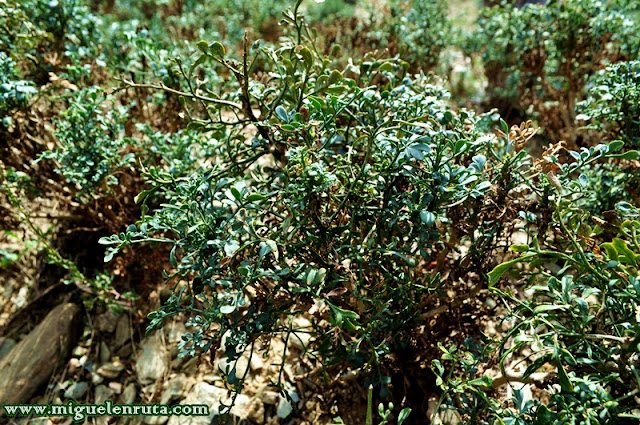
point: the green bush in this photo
(92, 142)
(289, 178)
(613, 102)
(345, 192)
(14, 93)
(579, 321)
(356, 197)
(540, 57)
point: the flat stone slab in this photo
(30, 364)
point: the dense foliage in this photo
(538, 58)
(311, 165)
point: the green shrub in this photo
(92, 143)
(422, 30)
(540, 57)
(614, 102)
(45, 31)
(14, 93)
(578, 322)
(351, 185)
(344, 189)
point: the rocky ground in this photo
(102, 357)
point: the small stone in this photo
(155, 420)
(174, 334)
(125, 351)
(285, 406)
(96, 379)
(203, 393)
(175, 331)
(106, 322)
(111, 370)
(129, 394)
(77, 391)
(175, 389)
(226, 365)
(210, 378)
(79, 351)
(74, 365)
(153, 361)
(256, 362)
(301, 335)
(123, 331)
(105, 353)
(83, 360)
(490, 302)
(103, 393)
(269, 397)
(6, 345)
(116, 387)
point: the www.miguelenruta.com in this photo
(80, 412)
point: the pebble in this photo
(96, 378)
(203, 393)
(226, 365)
(77, 391)
(116, 387)
(175, 389)
(123, 331)
(302, 337)
(125, 351)
(153, 361)
(174, 334)
(6, 345)
(103, 393)
(105, 353)
(111, 370)
(285, 406)
(269, 397)
(79, 351)
(74, 364)
(129, 394)
(106, 322)
(256, 362)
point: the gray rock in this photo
(129, 394)
(155, 420)
(175, 389)
(123, 331)
(79, 351)
(106, 322)
(203, 393)
(285, 406)
(174, 332)
(111, 370)
(103, 393)
(268, 397)
(6, 345)
(105, 353)
(241, 364)
(77, 391)
(96, 378)
(116, 387)
(153, 360)
(33, 360)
